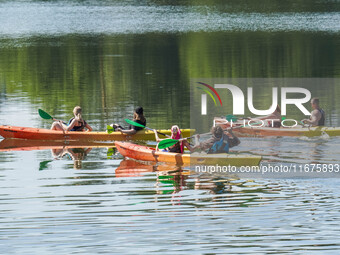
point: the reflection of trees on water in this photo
(109, 73)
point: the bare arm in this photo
(196, 145)
(69, 127)
(88, 127)
(156, 136)
(186, 144)
(314, 120)
(235, 140)
(128, 132)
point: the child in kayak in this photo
(77, 123)
(220, 142)
(138, 117)
(175, 134)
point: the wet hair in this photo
(77, 113)
(315, 100)
(217, 131)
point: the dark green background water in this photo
(109, 57)
(146, 54)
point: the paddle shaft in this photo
(224, 130)
(134, 123)
(157, 132)
(47, 116)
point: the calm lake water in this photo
(109, 57)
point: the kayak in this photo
(30, 145)
(281, 131)
(47, 134)
(144, 153)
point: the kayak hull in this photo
(145, 153)
(47, 134)
(281, 131)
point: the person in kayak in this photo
(220, 142)
(175, 134)
(77, 123)
(317, 117)
(138, 117)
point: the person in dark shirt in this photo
(317, 117)
(138, 117)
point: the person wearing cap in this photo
(137, 117)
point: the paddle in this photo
(45, 115)
(133, 123)
(142, 126)
(230, 117)
(304, 124)
(169, 142)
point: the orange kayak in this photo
(281, 131)
(145, 153)
(47, 134)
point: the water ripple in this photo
(32, 19)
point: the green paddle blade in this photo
(133, 123)
(44, 115)
(109, 129)
(167, 143)
(43, 165)
(230, 117)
